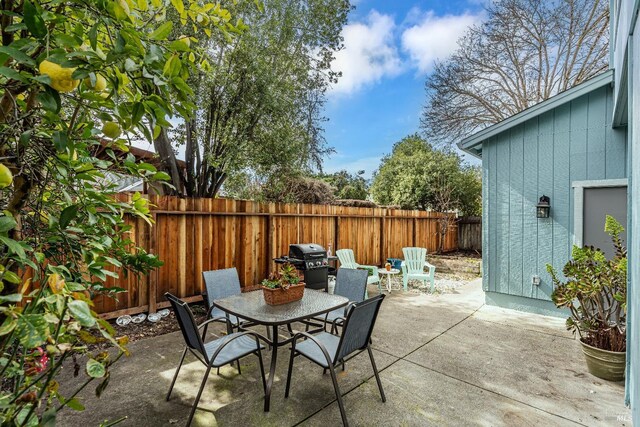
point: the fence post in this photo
(269, 243)
(153, 277)
(383, 223)
(415, 231)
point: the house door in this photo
(599, 199)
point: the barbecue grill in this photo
(311, 260)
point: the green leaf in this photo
(60, 140)
(74, 404)
(11, 298)
(7, 223)
(81, 312)
(178, 5)
(95, 369)
(13, 74)
(11, 277)
(7, 326)
(18, 55)
(32, 330)
(67, 215)
(13, 246)
(49, 418)
(33, 20)
(162, 32)
(50, 100)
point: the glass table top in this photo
(251, 306)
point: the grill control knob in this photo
(310, 264)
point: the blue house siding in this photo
(625, 53)
(633, 296)
(574, 141)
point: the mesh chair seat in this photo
(236, 349)
(311, 351)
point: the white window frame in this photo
(578, 205)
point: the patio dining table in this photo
(252, 307)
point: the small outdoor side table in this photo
(388, 273)
(251, 306)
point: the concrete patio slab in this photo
(445, 359)
(417, 396)
(544, 370)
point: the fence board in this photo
(195, 235)
(470, 233)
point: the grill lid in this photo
(306, 251)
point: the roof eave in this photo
(473, 144)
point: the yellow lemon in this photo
(101, 83)
(60, 77)
(111, 129)
(6, 177)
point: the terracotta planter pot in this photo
(279, 296)
(608, 365)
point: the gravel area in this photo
(445, 283)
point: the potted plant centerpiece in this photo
(283, 286)
(594, 289)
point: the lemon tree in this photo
(79, 78)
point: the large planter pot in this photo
(608, 365)
(280, 296)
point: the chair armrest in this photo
(429, 265)
(214, 319)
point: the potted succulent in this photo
(283, 286)
(594, 289)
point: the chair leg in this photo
(290, 371)
(334, 379)
(405, 282)
(375, 372)
(239, 370)
(184, 353)
(195, 404)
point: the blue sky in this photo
(390, 48)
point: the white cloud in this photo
(370, 53)
(434, 37)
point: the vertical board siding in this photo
(195, 235)
(544, 155)
(516, 218)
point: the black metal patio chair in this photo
(215, 353)
(328, 350)
(221, 284)
(352, 284)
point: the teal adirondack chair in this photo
(348, 260)
(415, 259)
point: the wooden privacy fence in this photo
(195, 235)
(470, 233)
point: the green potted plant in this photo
(594, 290)
(283, 286)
